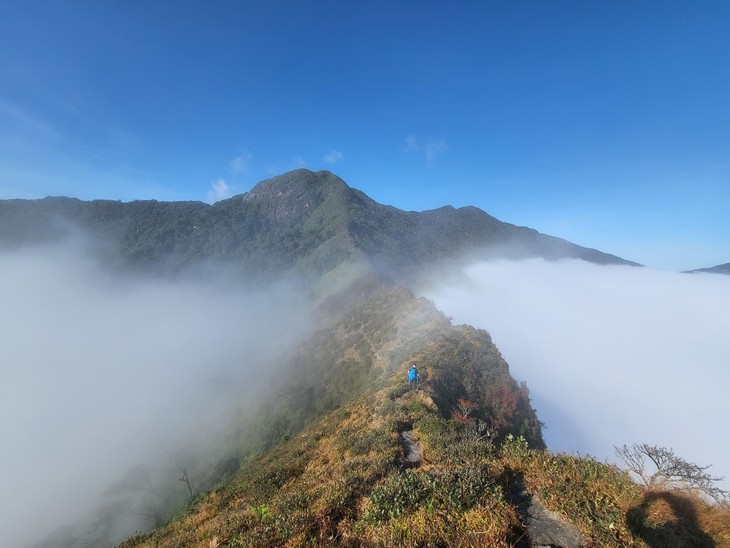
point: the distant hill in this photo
(309, 221)
(719, 269)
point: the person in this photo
(413, 377)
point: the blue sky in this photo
(607, 123)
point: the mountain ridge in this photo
(718, 269)
(321, 460)
(309, 221)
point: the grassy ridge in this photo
(363, 354)
(341, 479)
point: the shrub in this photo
(668, 470)
(450, 490)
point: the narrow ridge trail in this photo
(411, 448)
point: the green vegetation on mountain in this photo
(341, 452)
(324, 462)
(343, 479)
(312, 222)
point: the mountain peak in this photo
(296, 194)
(297, 183)
(719, 269)
(309, 219)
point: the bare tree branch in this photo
(185, 479)
(670, 471)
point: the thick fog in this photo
(612, 355)
(102, 373)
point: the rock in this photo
(544, 528)
(412, 451)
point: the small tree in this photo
(463, 409)
(504, 403)
(477, 429)
(185, 479)
(667, 470)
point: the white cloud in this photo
(410, 144)
(612, 355)
(299, 161)
(219, 191)
(333, 156)
(435, 149)
(430, 150)
(104, 379)
(242, 162)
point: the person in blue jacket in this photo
(413, 377)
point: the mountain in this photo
(352, 457)
(308, 221)
(341, 451)
(331, 434)
(719, 269)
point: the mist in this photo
(612, 354)
(101, 373)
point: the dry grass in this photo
(339, 483)
(675, 518)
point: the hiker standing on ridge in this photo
(413, 377)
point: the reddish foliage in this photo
(459, 416)
(504, 403)
(466, 404)
(464, 408)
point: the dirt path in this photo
(411, 448)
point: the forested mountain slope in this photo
(311, 221)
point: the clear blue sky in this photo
(607, 123)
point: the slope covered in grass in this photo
(343, 478)
(343, 481)
(352, 374)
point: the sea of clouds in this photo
(612, 355)
(102, 372)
